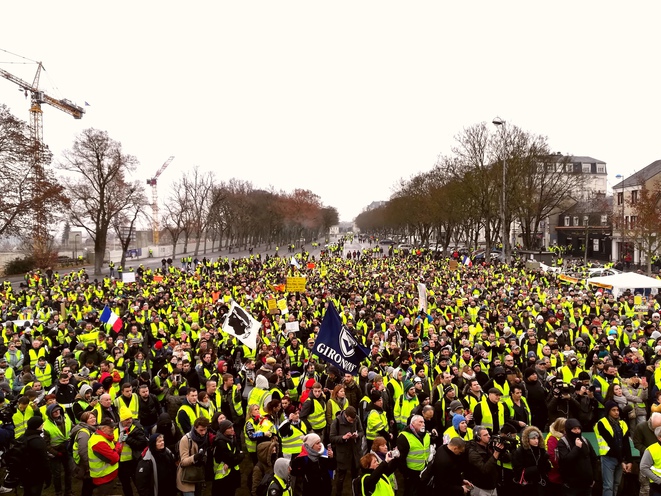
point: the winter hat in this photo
(456, 420)
(95, 387)
(271, 360)
(609, 405)
(224, 425)
(84, 388)
(508, 429)
(311, 439)
(583, 376)
(281, 468)
(528, 372)
(407, 385)
(447, 389)
(375, 396)
(455, 405)
(35, 422)
(158, 345)
(124, 414)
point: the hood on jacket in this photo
(555, 433)
(265, 450)
(394, 373)
(51, 409)
(164, 420)
(281, 468)
(525, 436)
(83, 390)
(262, 382)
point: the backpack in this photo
(263, 487)
(17, 458)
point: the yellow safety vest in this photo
(21, 421)
(510, 406)
(99, 468)
(219, 471)
(58, 438)
(133, 405)
(376, 422)
(418, 451)
(655, 451)
(192, 415)
(76, 449)
(251, 446)
(487, 418)
(292, 444)
(605, 424)
(256, 397)
(383, 486)
(317, 418)
(336, 408)
(451, 432)
(126, 455)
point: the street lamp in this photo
(498, 122)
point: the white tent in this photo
(626, 280)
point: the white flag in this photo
(295, 263)
(422, 297)
(242, 325)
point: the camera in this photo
(394, 453)
(560, 388)
(509, 443)
(7, 411)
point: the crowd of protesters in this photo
(456, 392)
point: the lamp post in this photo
(498, 122)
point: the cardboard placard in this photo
(272, 306)
(296, 284)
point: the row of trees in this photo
(460, 198)
(95, 192)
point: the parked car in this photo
(405, 246)
(388, 242)
(64, 260)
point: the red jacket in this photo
(109, 455)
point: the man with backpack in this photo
(35, 470)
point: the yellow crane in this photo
(37, 97)
(154, 200)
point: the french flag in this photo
(111, 318)
(467, 261)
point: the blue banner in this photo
(337, 345)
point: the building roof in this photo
(585, 160)
(640, 177)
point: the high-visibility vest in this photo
(383, 487)
(251, 446)
(34, 356)
(45, 375)
(192, 415)
(284, 489)
(403, 408)
(568, 375)
(376, 421)
(418, 451)
(524, 402)
(99, 468)
(451, 432)
(604, 386)
(58, 438)
(256, 397)
(292, 444)
(219, 471)
(605, 424)
(126, 455)
(487, 418)
(76, 449)
(398, 389)
(21, 421)
(336, 408)
(236, 404)
(655, 451)
(133, 405)
(317, 417)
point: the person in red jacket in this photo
(104, 455)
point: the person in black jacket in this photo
(37, 474)
(531, 464)
(446, 471)
(577, 460)
(227, 456)
(148, 408)
(482, 469)
(156, 473)
(374, 479)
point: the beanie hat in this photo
(95, 387)
(271, 360)
(456, 420)
(407, 385)
(508, 429)
(158, 344)
(583, 376)
(311, 439)
(610, 404)
(528, 372)
(455, 405)
(447, 389)
(375, 396)
(124, 414)
(35, 422)
(224, 425)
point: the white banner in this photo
(292, 326)
(422, 297)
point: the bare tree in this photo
(98, 190)
(124, 224)
(198, 186)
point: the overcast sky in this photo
(342, 98)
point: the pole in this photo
(505, 233)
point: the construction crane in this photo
(37, 97)
(154, 200)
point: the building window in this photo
(633, 220)
(586, 220)
(620, 198)
(576, 220)
(634, 196)
(626, 222)
(604, 220)
(567, 221)
(601, 168)
(587, 168)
